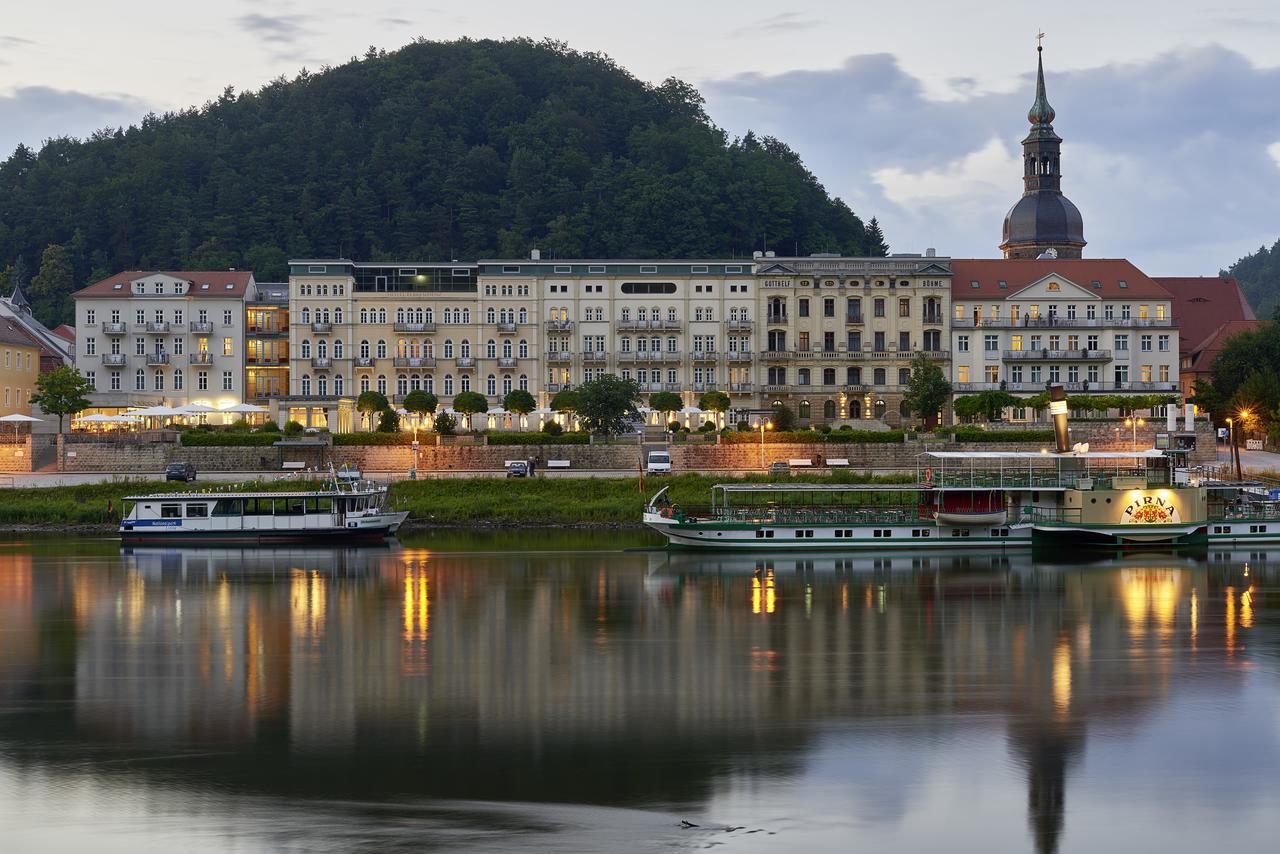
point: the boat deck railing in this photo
(1040, 479)
(1252, 511)
(817, 516)
(1049, 514)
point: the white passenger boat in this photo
(342, 512)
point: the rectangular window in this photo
(226, 381)
(1122, 343)
(1015, 343)
(879, 307)
(828, 307)
(991, 343)
(1144, 343)
(1164, 343)
(228, 347)
(803, 307)
(962, 373)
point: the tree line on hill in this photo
(439, 150)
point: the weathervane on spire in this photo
(1040, 40)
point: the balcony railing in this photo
(741, 357)
(777, 355)
(1078, 385)
(704, 355)
(256, 361)
(740, 387)
(201, 358)
(595, 356)
(934, 318)
(556, 387)
(322, 327)
(202, 327)
(739, 324)
(1060, 322)
(252, 330)
(774, 388)
(777, 319)
(628, 325)
(117, 359)
(559, 356)
(413, 362)
(507, 327)
(157, 358)
(159, 327)
(363, 361)
(115, 328)
(855, 388)
(506, 362)
(321, 362)
(1058, 355)
(559, 325)
(464, 362)
(706, 386)
(854, 318)
(415, 327)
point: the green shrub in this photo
(552, 428)
(372, 438)
(744, 426)
(293, 428)
(824, 429)
(446, 424)
(707, 427)
(200, 439)
(673, 426)
(239, 426)
(269, 427)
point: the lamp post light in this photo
(413, 473)
(1244, 416)
(1135, 423)
(764, 425)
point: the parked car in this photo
(519, 468)
(180, 471)
(780, 467)
(659, 462)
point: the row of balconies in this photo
(1060, 322)
(850, 356)
(1058, 355)
(158, 358)
(157, 327)
(645, 325)
(856, 319)
(1083, 385)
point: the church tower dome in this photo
(1043, 219)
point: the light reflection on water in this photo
(525, 691)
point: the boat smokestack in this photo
(1058, 409)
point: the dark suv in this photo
(180, 471)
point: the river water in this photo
(581, 692)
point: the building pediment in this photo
(775, 270)
(1051, 287)
(934, 270)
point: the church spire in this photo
(1043, 219)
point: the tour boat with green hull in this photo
(984, 500)
(344, 511)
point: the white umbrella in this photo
(196, 409)
(96, 418)
(18, 418)
(246, 408)
(156, 412)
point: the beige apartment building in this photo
(19, 367)
(147, 338)
(1089, 325)
(839, 334)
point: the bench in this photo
(558, 464)
(798, 464)
(293, 466)
(838, 463)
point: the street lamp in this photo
(1135, 423)
(764, 425)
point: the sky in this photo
(910, 111)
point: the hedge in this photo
(538, 439)
(200, 439)
(381, 439)
(811, 437)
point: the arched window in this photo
(337, 315)
(177, 382)
(904, 409)
(524, 315)
(322, 349)
(506, 348)
(382, 349)
(466, 315)
(803, 409)
(159, 380)
(491, 349)
(491, 316)
(306, 385)
(306, 315)
(402, 349)
(364, 351)
(400, 315)
(382, 315)
(465, 382)
(491, 385)
(429, 383)
(448, 384)
(402, 385)
(322, 386)
(305, 349)
(829, 409)
(364, 316)
(417, 315)
(337, 349)
(430, 315)
(880, 408)
(506, 384)
(523, 349)
(324, 316)
(855, 408)
(364, 383)
(415, 382)
(448, 348)
(524, 382)
(140, 380)
(338, 385)
(382, 384)
(464, 349)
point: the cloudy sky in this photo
(910, 111)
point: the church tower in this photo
(1043, 219)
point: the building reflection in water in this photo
(645, 678)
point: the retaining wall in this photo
(15, 457)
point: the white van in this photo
(659, 462)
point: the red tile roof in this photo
(1018, 273)
(65, 332)
(1201, 304)
(217, 280)
(1203, 353)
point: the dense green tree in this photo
(49, 288)
(470, 403)
(62, 391)
(714, 401)
(875, 239)
(566, 400)
(1259, 277)
(369, 403)
(520, 402)
(389, 421)
(607, 404)
(460, 149)
(928, 389)
(783, 418)
(420, 402)
(665, 401)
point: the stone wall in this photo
(15, 457)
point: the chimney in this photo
(757, 255)
(770, 254)
(931, 252)
(535, 255)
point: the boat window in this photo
(324, 505)
(197, 511)
(257, 507)
(170, 511)
(297, 506)
(227, 507)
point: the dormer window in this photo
(117, 286)
(204, 286)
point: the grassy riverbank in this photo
(447, 502)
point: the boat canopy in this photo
(1147, 454)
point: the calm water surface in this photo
(526, 692)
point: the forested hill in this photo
(438, 150)
(1259, 277)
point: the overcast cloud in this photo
(912, 114)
